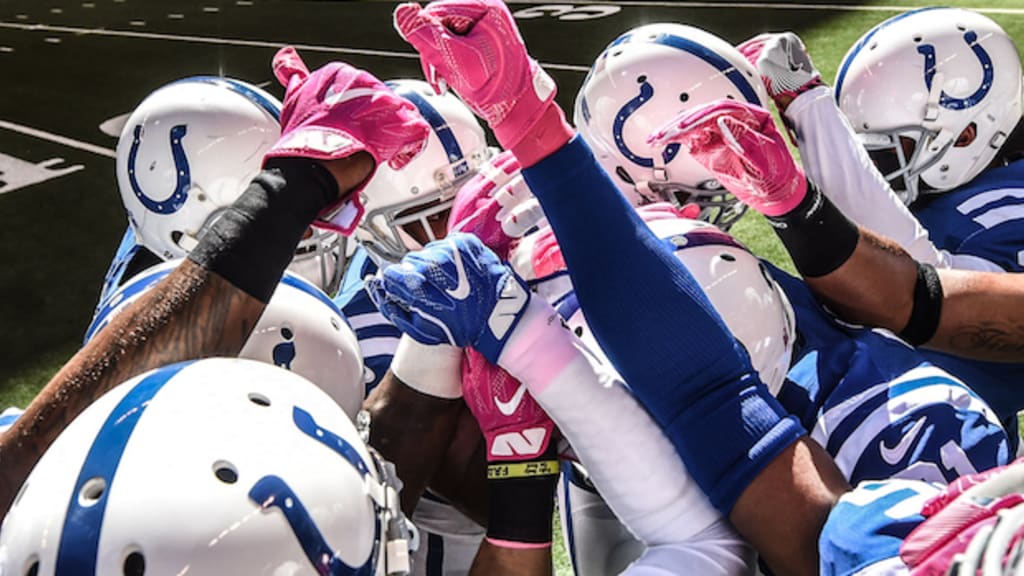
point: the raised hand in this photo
(784, 65)
(740, 145)
(474, 47)
(454, 291)
(336, 111)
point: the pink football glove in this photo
(474, 47)
(967, 506)
(740, 145)
(496, 206)
(514, 425)
(336, 111)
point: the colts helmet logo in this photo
(646, 93)
(177, 199)
(988, 73)
(272, 491)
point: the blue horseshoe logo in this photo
(947, 101)
(177, 198)
(272, 491)
(646, 93)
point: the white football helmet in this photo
(218, 466)
(300, 330)
(641, 81)
(188, 151)
(422, 190)
(737, 283)
(919, 83)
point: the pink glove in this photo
(474, 47)
(514, 425)
(740, 145)
(496, 206)
(955, 516)
(337, 111)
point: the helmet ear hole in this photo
(225, 472)
(134, 564)
(33, 567)
(621, 173)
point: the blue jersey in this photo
(865, 529)
(378, 338)
(984, 218)
(878, 406)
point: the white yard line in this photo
(763, 5)
(238, 42)
(58, 139)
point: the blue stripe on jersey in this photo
(877, 406)
(78, 549)
(984, 218)
(868, 525)
(378, 338)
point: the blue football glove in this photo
(453, 291)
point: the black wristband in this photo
(250, 243)
(924, 317)
(817, 235)
(522, 499)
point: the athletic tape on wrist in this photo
(251, 242)
(817, 235)
(924, 318)
(432, 370)
(509, 470)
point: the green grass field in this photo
(38, 343)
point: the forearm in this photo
(841, 168)
(462, 477)
(982, 316)
(206, 307)
(783, 512)
(583, 396)
(414, 412)
(194, 314)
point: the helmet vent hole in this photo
(578, 331)
(867, 126)
(621, 173)
(225, 472)
(33, 567)
(616, 53)
(134, 564)
(873, 46)
(944, 168)
(201, 197)
(727, 257)
(684, 97)
(641, 79)
(961, 27)
(176, 236)
(92, 490)
(335, 324)
(259, 399)
(730, 96)
(918, 38)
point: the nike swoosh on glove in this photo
(454, 291)
(740, 145)
(969, 508)
(474, 47)
(514, 425)
(336, 111)
(496, 206)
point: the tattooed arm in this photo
(982, 312)
(195, 312)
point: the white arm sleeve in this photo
(840, 166)
(629, 459)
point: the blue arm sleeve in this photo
(659, 330)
